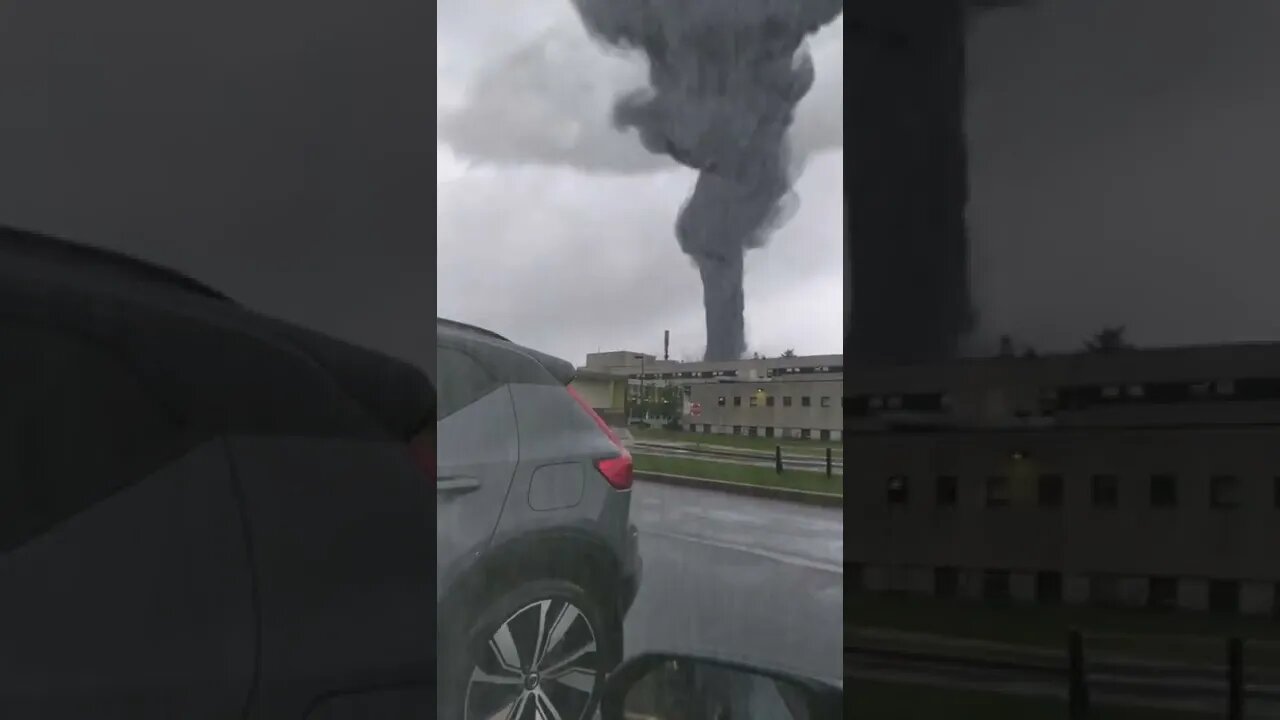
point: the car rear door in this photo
(125, 583)
(477, 450)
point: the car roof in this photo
(465, 328)
(397, 394)
(17, 243)
(560, 371)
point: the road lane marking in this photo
(815, 564)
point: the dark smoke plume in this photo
(907, 185)
(725, 78)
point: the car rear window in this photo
(461, 380)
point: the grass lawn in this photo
(1181, 636)
(903, 701)
(745, 474)
(765, 444)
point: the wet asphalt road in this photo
(741, 577)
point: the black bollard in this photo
(1077, 685)
(828, 462)
(777, 459)
(1235, 679)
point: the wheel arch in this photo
(574, 555)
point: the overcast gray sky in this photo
(1125, 169)
(277, 151)
(557, 230)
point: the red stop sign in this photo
(695, 409)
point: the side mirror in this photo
(682, 687)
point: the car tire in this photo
(547, 641)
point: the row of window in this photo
(780, 372)
(771, 372)
(1084, 396)
(1161, 593)
(769, 401)
(1163, 491)
(755, 431)
(687, 374)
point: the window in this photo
(768, 432)
(752, 431)
(998, 491)
(706, 428)
(768, 401)
(753, 401)
(462, 380)
(824, 434)
(737, 401)
(1224, 596)
(83, 424)
(804, 401)
(1104, 590)
(1048, 587)
(805, 434)
(786, 401)
(1164, 491)
(824, 401)
(1050, 491)
(946, 489)
(1106, 491)
(897, 487)
(720, 401)
(1162, 593)
(737, 429)
(946, 582)
(1224, 491)
(853, 576)
(995, 585)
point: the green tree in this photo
(1108, 340)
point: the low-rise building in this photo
(794, 396)
(1141, 478)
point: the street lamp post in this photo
(642, 397)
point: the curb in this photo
(798, 459)
(761, 491)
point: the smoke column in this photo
(725, 77)
(907, 186)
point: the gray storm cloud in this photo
(1131, 143)
(725, 77)
(550, 102)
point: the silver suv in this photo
(536, 556)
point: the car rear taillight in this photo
(422, 449)
(617, 470)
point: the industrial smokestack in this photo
(725, 78)
(666, 344)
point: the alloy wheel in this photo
(541, 663)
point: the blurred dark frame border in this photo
(276, 150)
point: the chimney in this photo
(666, 344)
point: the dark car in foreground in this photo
(536, 559)
(204, 512)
